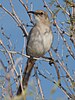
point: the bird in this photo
(39, 42)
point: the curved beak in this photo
(33, 12)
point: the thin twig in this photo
(56, 68)
(45, 5)
(68, 47)
(63, 8)
(63, 66)
(16, 19)
(56, 83)
(9, 54)
(26, 8)
(47, 59)
(39, 84)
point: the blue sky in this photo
(16, 36)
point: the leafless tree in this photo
(57, 68)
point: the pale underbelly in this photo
(39, 46)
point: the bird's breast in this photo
(39, 43)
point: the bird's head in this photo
(40, 16)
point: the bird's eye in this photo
(41, 13)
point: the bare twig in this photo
(67, 46)
(45, 5)
(39, 84)
(56, 68)
(16, 19)
(47, 59)
(26, 8)
(63, 66)
(56, 83)
(9, 54)
(72, 19)
(63, 8)
(7, 37)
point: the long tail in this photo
(26, 75)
